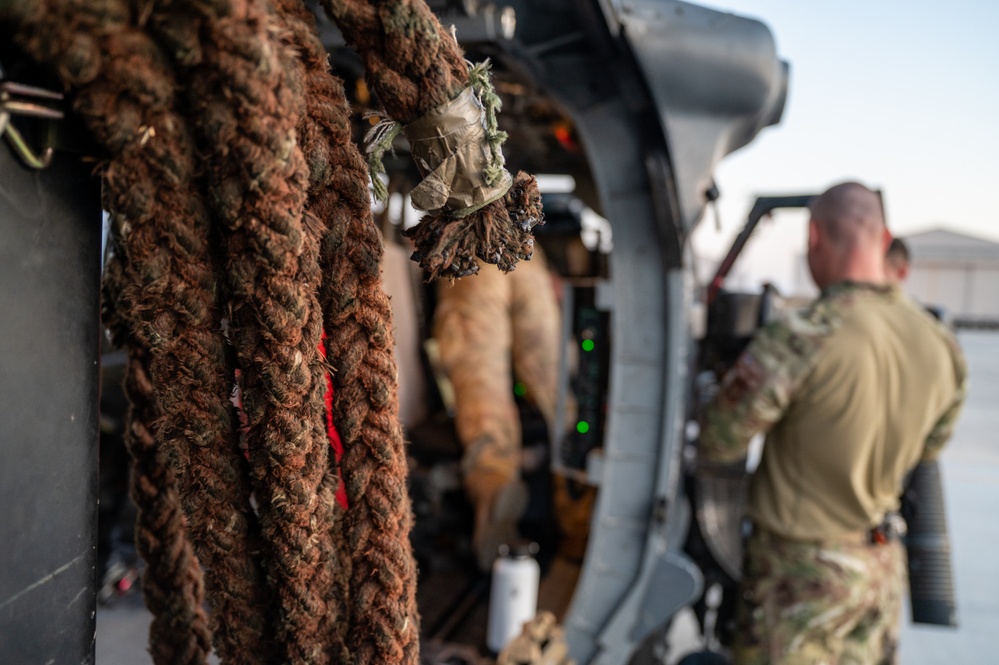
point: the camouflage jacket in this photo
(851, 394)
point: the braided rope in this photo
(172, 586)
(384, 625)
(324, 133)
(414, 65)
(290, 229)
(246, 111)
(173, 299)
(126, 97)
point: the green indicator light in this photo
(588, 345)
(519, 389)
(582, 427)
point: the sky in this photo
(901, 96)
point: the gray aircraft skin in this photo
(657, 93)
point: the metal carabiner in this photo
(10, 106)
(23, 151)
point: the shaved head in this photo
(849, 212)
(847, 237)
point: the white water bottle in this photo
(513, 596)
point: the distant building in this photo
(957, 272)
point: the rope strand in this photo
(246, 113)
(246, 198)
(172, 585)
(168, 295)
(384, 624)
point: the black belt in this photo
(890, 529)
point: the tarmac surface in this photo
(971, 489)
(971, 483)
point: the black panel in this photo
(50, 244)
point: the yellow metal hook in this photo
(9, 105)
(26, 154)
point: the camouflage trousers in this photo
(810, 604)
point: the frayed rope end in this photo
(499, 233)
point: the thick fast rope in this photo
(172, 586)
(323, 127)
(277, 227)
(414, 66)
(383, 620)
(125, 95)
(246, 113)
(174, 301)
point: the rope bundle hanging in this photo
(162, 288)
(242, 233)
(418, 71)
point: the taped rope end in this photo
(499, 233)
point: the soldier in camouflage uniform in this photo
(492, 329)
(852, 394)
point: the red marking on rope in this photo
(334, 436)
(335, 442)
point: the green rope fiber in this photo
(378, 141)
(478, 78)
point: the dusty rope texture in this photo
(384, 624)
(173, 300)
(414, 65)
(246, 96)
(178, 290)
(124, 93)
(324, 135)
(172, 587)
(246, 112)
(160, 531)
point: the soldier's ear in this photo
(814, 235)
